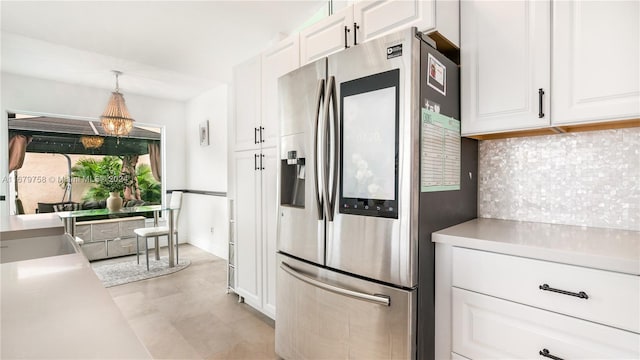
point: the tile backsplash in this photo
(588, 178)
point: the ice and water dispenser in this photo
(292, 180)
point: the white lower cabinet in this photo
(247, 227)
(254, 227)
(500, 306)
(609, 297)
(485, 327)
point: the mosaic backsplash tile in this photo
(589, 178)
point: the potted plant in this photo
(114, 184)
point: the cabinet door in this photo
(596, 61)
(247, 227)
(246, 90)
(377, 18)
(279, 60)
(485, 327)
(270, 196)
(504, 61)
(327, 36)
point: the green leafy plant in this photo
(89, 170)
(115, 183)
(106, 177)
(150, 189)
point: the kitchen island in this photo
(55, 306)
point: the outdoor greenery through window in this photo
(53, 167)
(106, 176)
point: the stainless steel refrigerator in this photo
(371, 163)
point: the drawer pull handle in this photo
(581, 294)
(547, 354)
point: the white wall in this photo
(207, 170)
(21, 93)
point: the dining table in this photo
(70, 218)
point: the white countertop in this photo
(55, 307)
(21, 226)
(607, 249)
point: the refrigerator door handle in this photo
(319, 99)
(330, 196)
(376, 298)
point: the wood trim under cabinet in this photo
(620, 124)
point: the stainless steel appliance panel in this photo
(301, 229)
(334, 316)
(382, 248)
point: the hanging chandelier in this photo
(92, 142)
(116, 119)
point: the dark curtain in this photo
(154, 159)
(17, 148)
(129, 166)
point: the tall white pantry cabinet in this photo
(253, 172)
(540, 64)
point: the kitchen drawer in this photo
(122, 247)
(105, 231)
(94, 250)
(127, 226)
(83, 232)
(613, 298)
(484, 327)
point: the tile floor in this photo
(189, 315)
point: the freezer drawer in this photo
(326, 315)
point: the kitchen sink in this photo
(36, 247)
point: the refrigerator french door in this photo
(349, 219)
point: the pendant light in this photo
(116, 119)
(92, 142)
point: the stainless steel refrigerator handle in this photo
(329, 98)
(332, 198)
(377, 299)
(319, 98)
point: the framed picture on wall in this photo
(204, 133)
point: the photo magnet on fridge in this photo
(437, 75)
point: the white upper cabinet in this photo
(246, 92)
(505, 68)
(381, 17)
(596, 61)
(327, 36)
(366, 20)
(277, 61)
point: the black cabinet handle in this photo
(261, 139)
(540, 110)
(261, 157)
(255, 135)
(355, 33)
(547, 354)
(346, 41)
(581, 294)
(255, 162)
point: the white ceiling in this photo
(167, 49)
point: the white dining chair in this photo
(155, 232)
